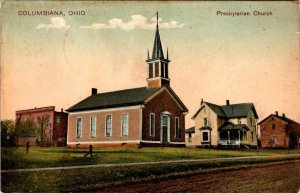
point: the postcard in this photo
(90, 87)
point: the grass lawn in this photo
(92, 179)
(13, 158)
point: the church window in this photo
(152, 124)
(177, 130)
(79, 127)
(93, 126)
(108, 131)
(124, 124)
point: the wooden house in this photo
(223, 125)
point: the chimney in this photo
(276, 113)
(94, 91)
(227, 102)
(283, 115)
(62, 110)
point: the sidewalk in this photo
(144, 163)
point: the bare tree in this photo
(41, 127)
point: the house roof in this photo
(190, 130)
(239, 110)
(127, 97)
(49, 108)
(231, 126)
(280, 117)
(217, 109)
(230, 111)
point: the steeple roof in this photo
(157, 48)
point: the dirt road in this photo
(278, 178)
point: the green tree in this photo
(26, 128)
(7, 133)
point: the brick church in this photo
(145, 116)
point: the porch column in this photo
(228, 136)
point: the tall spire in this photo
(157, 48)
(157, 19)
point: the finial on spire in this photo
(167, 53)
(157, 19)
(157, 48)
(148, 55)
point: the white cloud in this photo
(137, 21)
(1, 1)
(55, 23)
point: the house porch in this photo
(232, 135)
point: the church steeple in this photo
(158, 65)
(157, 48)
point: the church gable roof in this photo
(123, 98)
(118, 98)
(173, 95)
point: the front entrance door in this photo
(165, 125)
